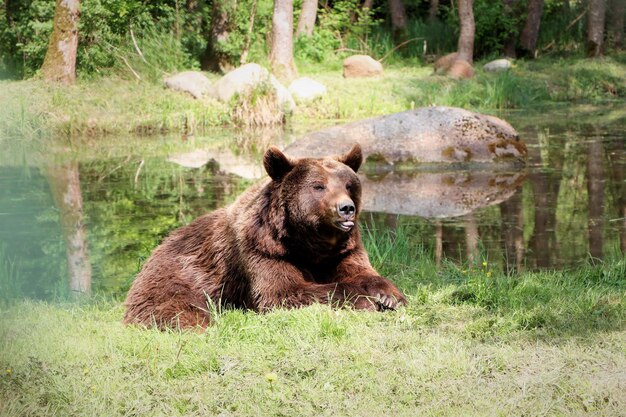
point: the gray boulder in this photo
(305, 89)
(424, 135)
(498, 65)
(247, 77)
(361, 66)
(192, 82)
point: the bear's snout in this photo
(346, 209)
(347, 213)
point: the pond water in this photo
(94, 214)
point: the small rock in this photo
(361, 66)
(192, 82)
(305, 89)
(248, 76)
(237, 81)
(498, 65)
(285, 98)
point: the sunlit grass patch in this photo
(113, 105)
(589, 297)
(432, 357)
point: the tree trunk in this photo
(281, 55)
(214, 59)
(595, 27)
(307, 18)
(468, 29)
(595, 196)
(59, 64)
(65, 187)
(8, 13)
(510, 43)
(368, 4)
(616, 24)
(398, 20)
(433, 8)
(530, 31)
(246, 47)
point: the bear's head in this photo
(321, 195)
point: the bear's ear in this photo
(353, 158)
(276, 163)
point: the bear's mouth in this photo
(345, 225)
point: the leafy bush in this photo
(340, 25)
(104, 28)
(25, 28)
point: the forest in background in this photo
(166, 36)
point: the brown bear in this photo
(287, 242)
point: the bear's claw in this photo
(387, 302)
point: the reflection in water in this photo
(64, 184)
(471, 237)
(437, 194)
(512, 234)
(570, 203)
(228, 162)
(617, 166)
(595, 196)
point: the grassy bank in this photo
(114, 106)
(471, 341)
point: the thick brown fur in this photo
(288, 242)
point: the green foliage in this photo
(338, 26)
(104, 30)
(563, 31)
(25, 29)
(239, 35)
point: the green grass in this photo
(471, 341)
(117, 106)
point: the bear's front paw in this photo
(363, 302)
(384, 293)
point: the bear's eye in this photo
(319, 187)
(349, 186)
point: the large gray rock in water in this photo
(425, 135)
(192, 82)
(247, 77)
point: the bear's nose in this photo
(346, 209)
